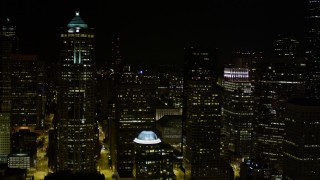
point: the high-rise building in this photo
(248, 59)
(24, 148)
(202, 118)
(77, 131)
(279, 79)
(312, 49)
(238, 110)
(5, 136)
(302, 140)
(8, 46)
(286, 47)
(24, 83)
(134, 112)
(152, 159)
(170, 89)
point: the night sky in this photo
(155, 32)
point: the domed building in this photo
(147, 137)
(152, 158)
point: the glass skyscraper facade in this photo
(8, 46)
(313, 49)
(24, 86)
(201, 117)
(134, 113)
(302, 140)
(238, 110)
(279, 79)
(77, 131)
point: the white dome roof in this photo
(147, 137)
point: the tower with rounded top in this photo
(152, 158)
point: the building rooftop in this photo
(170, 121)
(77, 22)
(147, 137)
(8, 25)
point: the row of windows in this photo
(78, 35)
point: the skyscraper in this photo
(24, 86)
(134, 113)
(152, 159)
(8, 46)
(5, 137)
(279, 79)
(248, 59)
(302, 140)
(313, 49)
(77, 132)
(238, 110)
(201, 118)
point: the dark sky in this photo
(155, 32)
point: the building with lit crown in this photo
(238, 110)
(77, 131)
(152, 159)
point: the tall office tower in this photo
(134, 112)
(77, 131)
(170, 89)
(8, 46)
(24, 91)
(302, 140)
(5, 132)
(42, 94)
(201, 118)
(286, 47)
(238, 110)
(313, 50)
(279, 80)
(105, 95)
(176, 91)
(152, 159)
